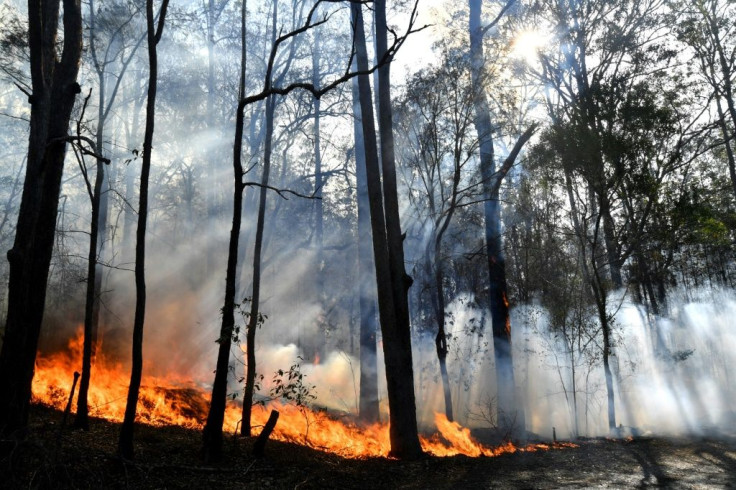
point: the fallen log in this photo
(259, 446)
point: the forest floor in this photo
(168, 457)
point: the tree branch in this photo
(280, 192)
(77, 139)
(495, 21)
(511, 158)
(312, 88)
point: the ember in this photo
(172, 401)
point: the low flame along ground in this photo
(176, 401)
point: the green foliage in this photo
(290, 386)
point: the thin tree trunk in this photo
(318, 203)
(441, 338)
(98, 227)
(727, 141)
(368, 403)
(54, 92)
(81, 419)
(253, 320)
(125, 443)
(212, 432)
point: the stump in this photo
(259, 446)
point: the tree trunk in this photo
(212, 432)
(125, 443)
(434, 267)
(368, 404)
(253, 320)
(397, 334)
(606, 328)
(253, 323)
(727, 141)
(396, 340)
(81, 419)
(54, 92)
(98, 226)
(510, 415)
(318, 203)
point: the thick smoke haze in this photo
(672, 369)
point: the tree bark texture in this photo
(392, 281)
(368, 398)
(54, 88)
(212, 433)
(125, 442)
(508, 412)
(253, 323)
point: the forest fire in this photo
(178, 401)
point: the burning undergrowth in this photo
(172, 400)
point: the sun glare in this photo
(527, 44)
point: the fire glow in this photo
(178, 401)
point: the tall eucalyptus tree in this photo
(53, 92)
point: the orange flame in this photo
(172, 401)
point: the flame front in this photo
(178, 401)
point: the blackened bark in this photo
(259, 447)
(396, 333)
(253, 323)
(318, 203)
(253, 320)
(509, 412)
(125, 443)
(368, 398)
(54, 92)
(212, 433)
(98, 228)
(81, 419)
(606, 328)
(435, 266)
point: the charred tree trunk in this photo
(212, 433)
(510, 414)
(81, 419)
(98, 227)
(253, 320)
(55, 89)
(368, 404)
(389, 256)
(609, 236)
(318, 205)
(606, 329)
(125, 443)
(441, 338)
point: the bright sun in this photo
(527, 44)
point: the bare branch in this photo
(22, 89)
(78, 139)
(511, 158)
(161, 18)
(310, 87)
(498, 18)
(280, 192)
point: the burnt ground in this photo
(168, 458)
